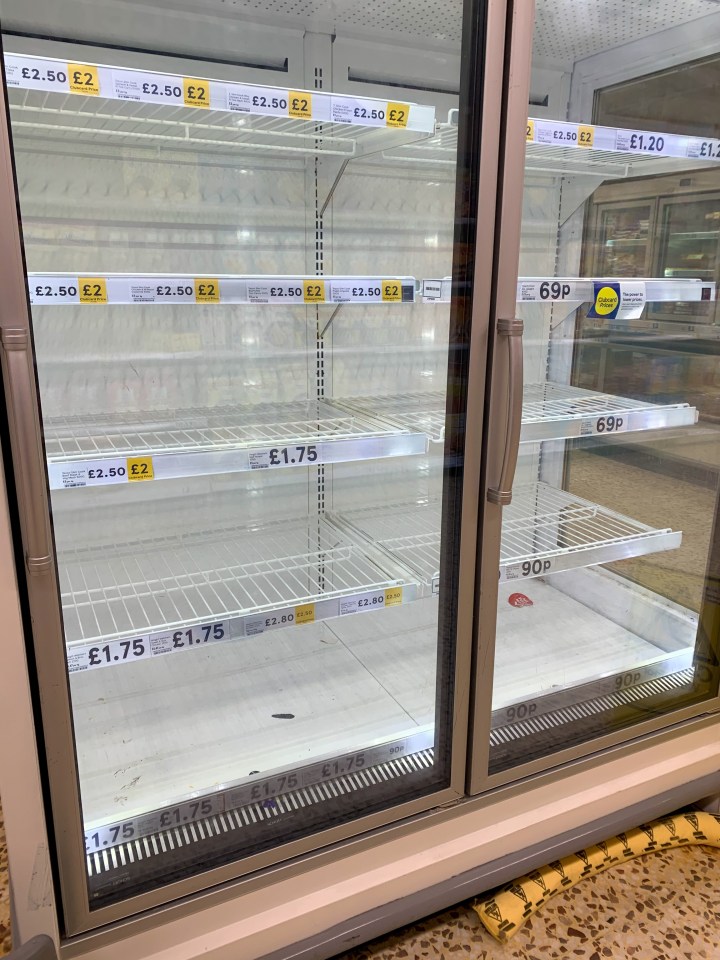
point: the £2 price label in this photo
(196, 93)
(140, 468)
(397, 114)
(314, 291)
(92, 290)
(84, 79)
(207, 290)
(391, 291)
(300, 104)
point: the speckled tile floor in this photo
(5, 941)
(661, 907)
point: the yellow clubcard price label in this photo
(207, 290)
(196, 93)
(314, 291)
(586, 136)
(140, 468)
(299, 104)
(391, 291)
(393, 596)
(397, 114)
(305, 613)
(530, 135)
(92, 290)
(84, 79)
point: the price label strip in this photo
(574, 290)
(96, 471)
(62, 289)
(143, 86)
(620, 140)
(99, 654)
(101, 837)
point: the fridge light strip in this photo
(99, 82)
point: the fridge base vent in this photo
(165, 842)
(581, 711)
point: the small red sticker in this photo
(519, 600)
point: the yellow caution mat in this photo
(504, 911)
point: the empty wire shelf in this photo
(544, 530)
(553, 411)
(82, 451)
(144, 586)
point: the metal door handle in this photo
(28, 452)
(511, 332)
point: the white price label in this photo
(299, 455)
(703, 149)
(89, 473)
(180, 290)
(639, 141)
(268, 101)
(356, 291)
(544, 291)
(51, 290)
(147, 87)
(91, 656)
(525, 569)
(275, 291)
(270, 621)
(362, 603)
(611, 423)
(350, 110)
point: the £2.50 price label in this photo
(84, 78)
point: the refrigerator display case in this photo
(321, 534)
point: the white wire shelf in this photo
(561, 148)
(100, 450)
(109, 104)
(404, 411)
(554, 411)
(147, 598)
(544, 531)
(551, 411)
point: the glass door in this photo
(607, 574)
(255, 466)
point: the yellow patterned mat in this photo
(504, 911)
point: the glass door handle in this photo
(510, 332)
(26, 444)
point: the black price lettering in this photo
(139, 469)
(397, 116)
(647, 141)
(91, 290)
(197, 93)
(533, 568)
(554, 290)
(609, 424)
(520, 712)
(299, 104)
(81, 78)
(625, 680)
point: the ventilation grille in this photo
(165, 842)
(581, 711)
